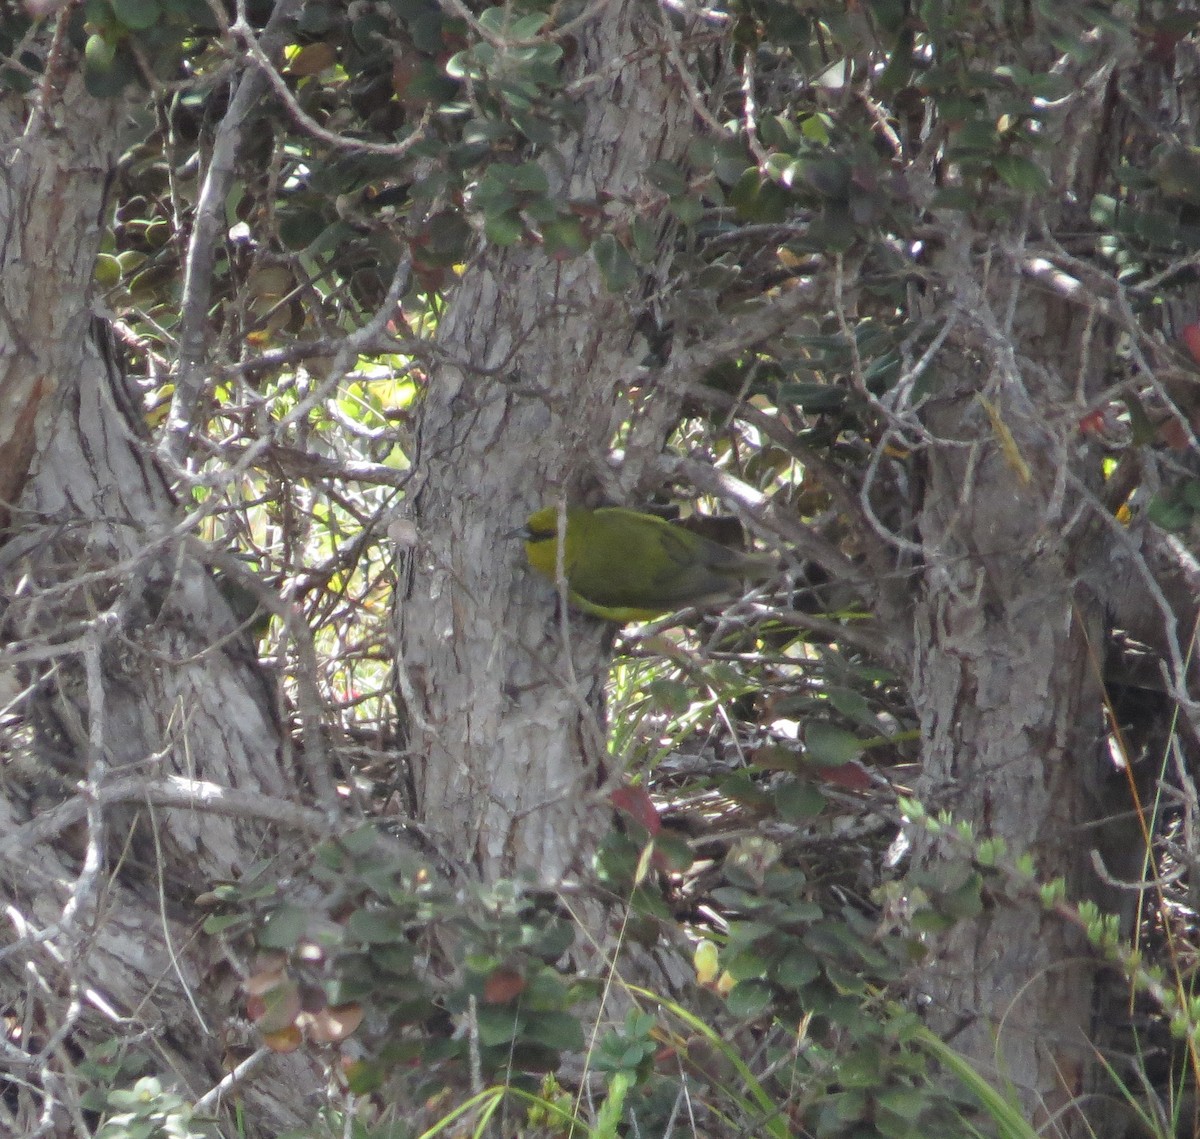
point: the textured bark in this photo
(1010, 705)
(129, 662)
(1007, 678)
(1024, 567)
(506, 743)
(53, 176)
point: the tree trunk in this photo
(1007, 683)
(1026, 569)
(502, 697)
(127, 664)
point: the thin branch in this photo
(173, 792)
(308, 464)
(84, 889)
(306, 122)
(205, 240)
(208, 1101)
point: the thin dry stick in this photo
(203, 245)
(173, 792)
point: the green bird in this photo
(624, 565)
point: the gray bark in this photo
(1025, 571)
(124, 661)
(1007, 669)
(502, 697)
(1010, 703)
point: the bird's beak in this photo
(521, 532)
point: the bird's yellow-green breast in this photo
(624, 565)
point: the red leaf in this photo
(1190, 335)
(853, 776)
(503, 986)
(637, 804)
(1174, 434)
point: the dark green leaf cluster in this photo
(451, 977)
(127, 41)
(148, 1111)
(1177, 508)
(801, 981)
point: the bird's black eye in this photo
(534, 534)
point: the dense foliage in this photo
(304, 187)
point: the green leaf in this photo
(445, 239)
(813, 397)
(926, 921)
(906, 1104)
(363, 1077)
(99, 52)
(137, 15)
(854, 706)
(219, 923)
(528, 178)
(552, 940)
(554, 1029)
(498, 1025)
(1189, 493)
(315, 19)
(463, 65)
(396, 958)
(759, 200)
(953, 198)
(299, 228)
(965, 902)
(359, 842)
(745, 964)
(673, 852)
(426, 33)
(667, 177)
(1141, 426)
(797, 969)
(376, 927)
(835, 228)
(645, 238)
(848, 1106)
(107, 271)
(526, 27)
(564, 237)
(689, 209)
(1168, 514)
(504, 229)
(749, 998)
(283, 927)
(615, 264)
(827, 744)
(974, 141)
(741, 788)
(493, 195)
(1021, 173)
(797, 801)
(815, 128)
(495, 19)
(368, 30)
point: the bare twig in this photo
(202, 247)
(174, 792)
(306, 122)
